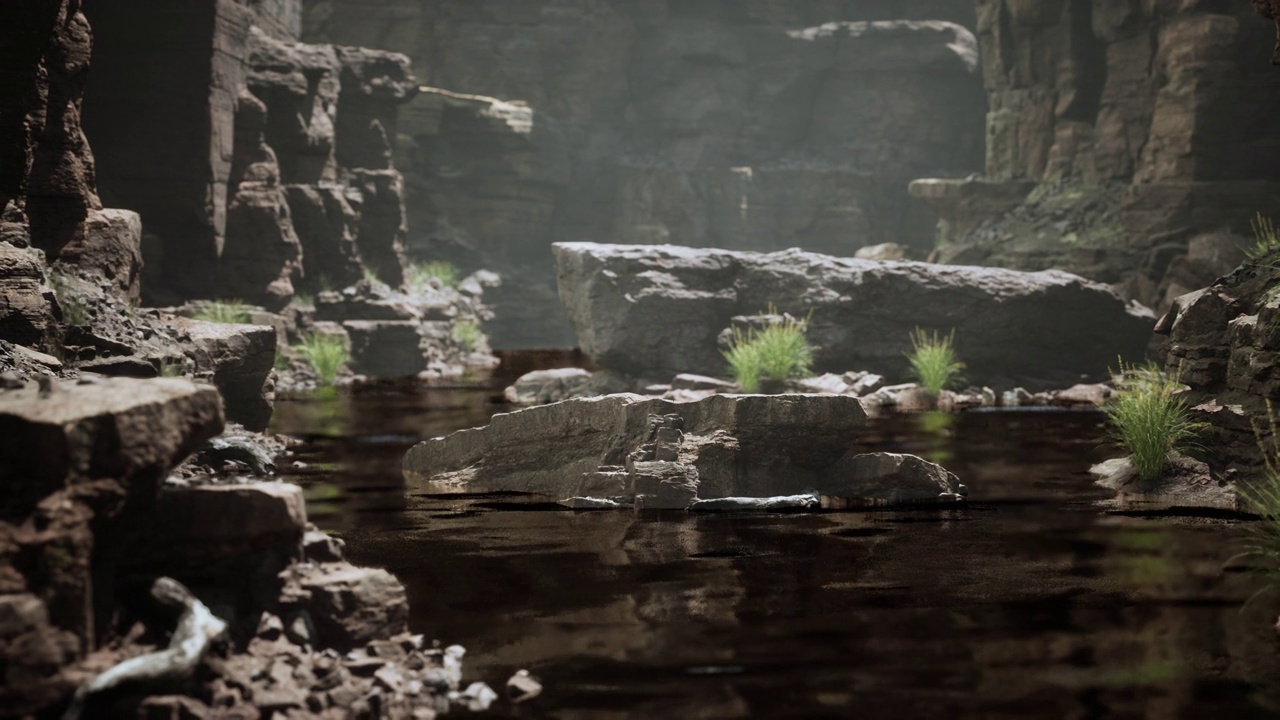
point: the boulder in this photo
(240, 359)
(28, 309)
(350, 606)
(127, 431)
(541, 387)
(111, 249)
(1185, 483)
(654, 453)
(646, 310)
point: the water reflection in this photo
(1028, 601)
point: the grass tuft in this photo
(777, 351)
(420, 275)
(1262, 497)
(467, 334)
(934, 362)
(235, 312)
(327, 355)
(1264, 236)
(1148, 417)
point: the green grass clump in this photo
(235, 312)
(1261, 496)
(420, 274)
(933, 359)
(327, 355)
(777, 351)
(467, 334)
(1264, 236)
(1148, 418)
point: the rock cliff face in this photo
(246, 138)
(1123, 138)
(746, 125)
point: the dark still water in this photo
(1031, 601)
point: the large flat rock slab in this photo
(654, 453)
(125, 430)
(655, 311)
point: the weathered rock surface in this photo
(1117, 134)
(282, 124)
(47, 168)
(122, 431)
(1185, 483)
(655, 311)
(238, 359)
(755, 127)
(659, 454)
(1224, 341)
(27, 305)
(350, 606)
(80, 465)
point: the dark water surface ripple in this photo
(1030, 601)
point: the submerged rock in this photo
(623, 450)
(651, 310)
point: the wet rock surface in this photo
(657, 454)
(654, 309)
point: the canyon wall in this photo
(1130, 142)
(261, 166)
(755, 125)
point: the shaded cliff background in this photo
(1124, 141)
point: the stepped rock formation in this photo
(655, 311)
(281, 179)
(754, 126)
(658, 454)
(1127, 142)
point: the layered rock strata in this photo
(1119, 136)
(755, 126)
(1223, 343)
(655, 311)
(630, 450)
(282, 131)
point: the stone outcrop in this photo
(48, 195)
(626, 449)
(47, 166)
(81, 465)
(238, 359)
(1118, 135)
(754, 127)
(1223, 343)
(282, 137)
(28, 308)
(655, 311)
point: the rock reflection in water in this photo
(1030, 601)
